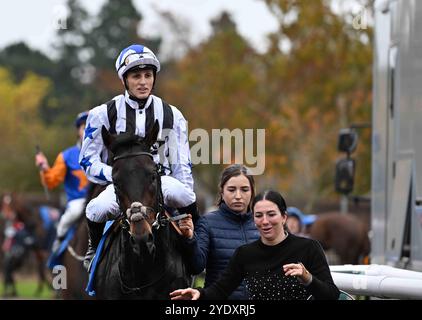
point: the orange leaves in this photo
(326, 64)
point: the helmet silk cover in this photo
(135, 55)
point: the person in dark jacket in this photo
(218, 233)
(278, 266)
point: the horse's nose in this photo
(135, 212)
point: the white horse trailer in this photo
(396, 196)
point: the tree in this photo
(116, 28)
(21, 130)
(215, 85)
(59, 104)
(320, 83)
(71, 43)
(178, 37)
(72, 73)
(87, 49)
(19, 59)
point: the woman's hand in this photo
(185, 294)
(298, 270)
(186, 227)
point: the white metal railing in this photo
(378, 280)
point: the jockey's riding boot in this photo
(192, 209)
(95, 232)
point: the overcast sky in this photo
(34, 21)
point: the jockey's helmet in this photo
(295, 212)
(81, 118)
(136, 55)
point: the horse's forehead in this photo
(131, 167)
(141, 162)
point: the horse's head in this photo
(149, 264)
(135, 177)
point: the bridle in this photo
(161, 219)
(141, 208)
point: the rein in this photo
(133, 290)
(74, 254)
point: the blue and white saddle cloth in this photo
(56, 257)
(90, 287)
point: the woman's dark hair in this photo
(272, 196)
(231, 171)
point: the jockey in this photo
(135, 111)
(66, 169)
(299, 222)
(294, 220)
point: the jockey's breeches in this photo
(73, 211)
(105, 206)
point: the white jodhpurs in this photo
(104, 207)
(74, 210)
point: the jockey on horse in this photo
(135, 111)
(66, 169)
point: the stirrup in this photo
(89, 258)
(88, 263)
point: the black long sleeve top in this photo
(261, 266)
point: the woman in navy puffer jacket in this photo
(219, 233)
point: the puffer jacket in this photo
(217, 235)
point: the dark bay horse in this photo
(144, 255)
(344, 234)
(26, 233)
(72, 260)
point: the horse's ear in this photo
(151, 136)
(107, 137)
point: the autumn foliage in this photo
(313, 77)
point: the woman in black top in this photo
(278, 266)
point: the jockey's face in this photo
(140, 82)
(293, 224)
(81, 130)
(269, 221)
(237, 193)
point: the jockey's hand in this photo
(186, 227)
(41, 161)
(185, 294)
